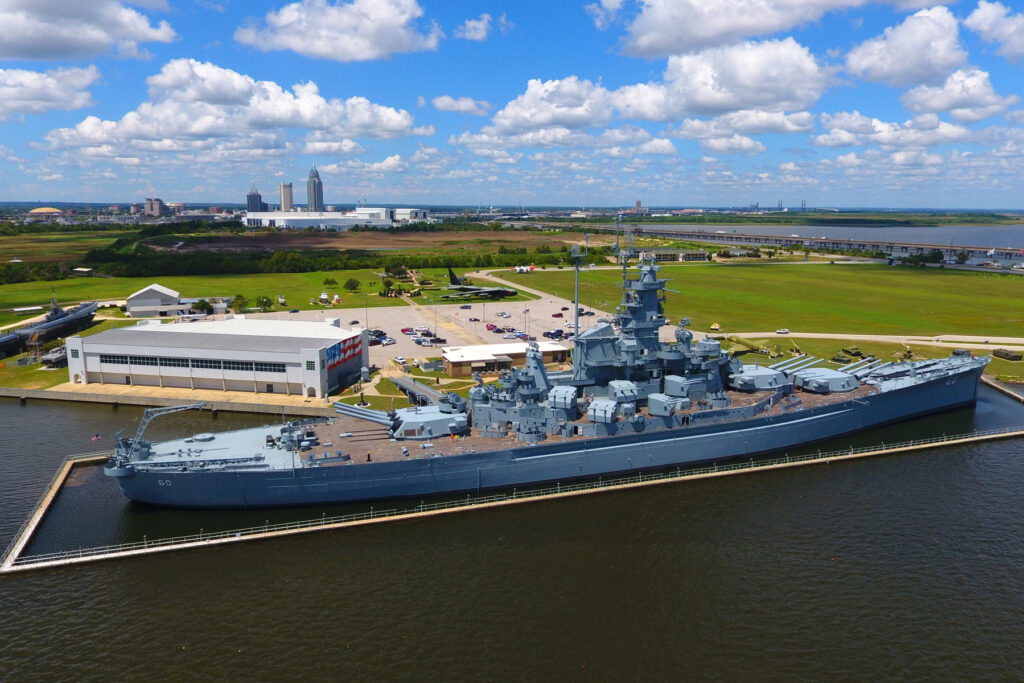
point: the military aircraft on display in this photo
(523, 269)
(463, 290)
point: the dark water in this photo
(905, 567)
(1001, 236)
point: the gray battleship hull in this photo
(549, 461)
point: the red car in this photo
(408, 330)
(556, 315)
(491, 326)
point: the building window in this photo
(310, 364)
(174, 362)
(113, 360)
(245, 366)
(269, 367)
(206, 364)
(144, 360)
(74, 353)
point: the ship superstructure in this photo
(630, 402)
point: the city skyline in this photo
(847, 103)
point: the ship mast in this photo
(577, 259)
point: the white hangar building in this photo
(159, 301)
(238, 354)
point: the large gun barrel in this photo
(377, 416)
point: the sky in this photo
(850, 103)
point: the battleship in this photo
(630, 403)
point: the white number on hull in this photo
(164, 482)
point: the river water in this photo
(905, 567)
(999, 236)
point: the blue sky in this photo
(675, 102)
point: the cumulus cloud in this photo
(197, 106)
(61, 30)
(967, 95)
(35, 92)
(474, 29)
(603, 13)
(748, 122)
(994, 23)
(332, 147)
(354, 31)
(922, 131)
(923, 49)
(465, 105)
(773, 75)
(568, 102)
(734, 144)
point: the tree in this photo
(351, 284)
(263, 302)
(330, 282)
(961, 257)
(203, 306)
(239, 303)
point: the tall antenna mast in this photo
(577, 259)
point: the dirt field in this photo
(289, 241)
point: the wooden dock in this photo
(14, 563)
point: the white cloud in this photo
(569, 102)
(656, 146)
(340, 147)
(914, 158)
(923, 131)
(603, 12)
(923, 49)
(33, 29)
(773, 75)
(474, 29)
(197, 106)
(735, 144)
(35, 92)
(359, 30)
(466, 105)
(505, 24)
(749, 121)
(994, 23)
(967, 95)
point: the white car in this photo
(503, 314)
(420, 328)
(387, 341)
(570, 324)
(400, 360)
(510, 335)
(782, 330)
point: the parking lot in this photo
(459, 326)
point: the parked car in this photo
(465, 306)
(503, 314)
(353, 322)
(491, 327)
(782, 330)
(570, 324)
(569, 336)
(565, 308)
(387, 341)
(474, 320)
(294, 310)
(556, 315)
(421, 328)
(400, 360)
(587, 313)
(438, 341)
(408, 330)
(374, 341)
(510, 335)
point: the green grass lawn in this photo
(55, 246)
(845, 299)
(297, 289)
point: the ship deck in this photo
(370, 442)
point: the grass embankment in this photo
(841, 299)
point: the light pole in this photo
(366, 311)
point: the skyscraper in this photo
(286, 196)
(314, 192)
(253, 200)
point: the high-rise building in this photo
(286, 196)
(253, 200)
(155, 207)
(314, 192)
